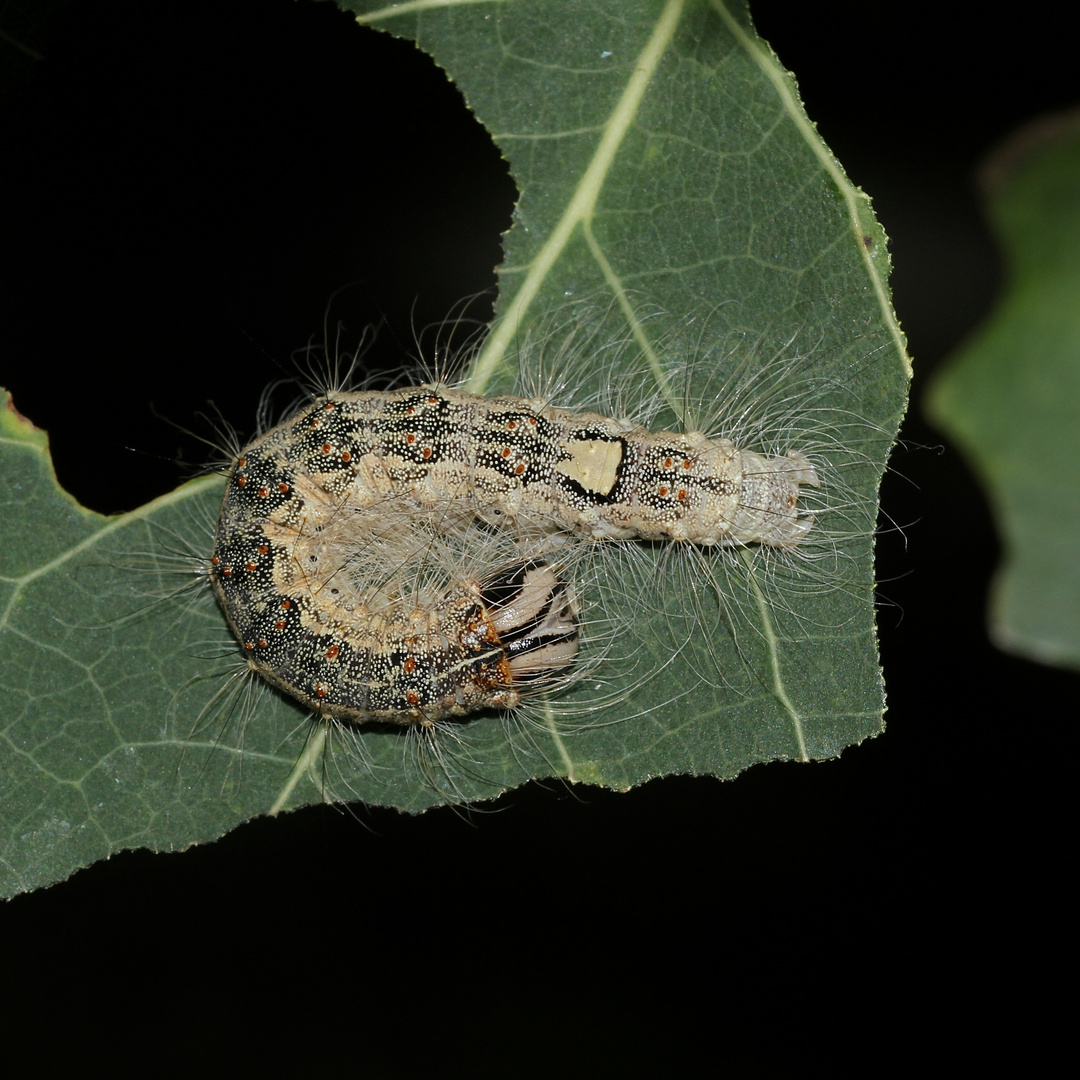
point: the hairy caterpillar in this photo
(716, 636)
(308, 502)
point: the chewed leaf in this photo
(686, 252)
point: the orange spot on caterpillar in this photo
(250, 567)
(241, 480)
(326, 448)
(264, 549)
(263, 492)
(332, 652)
(410, 664)
(280, 624)
(283, 488)
(519, 469)
(412, 697)
(263, 643)
(663, 491)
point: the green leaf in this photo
(674, 193)
(1011, 396)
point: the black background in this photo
(185, 188)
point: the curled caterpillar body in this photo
(312, 505)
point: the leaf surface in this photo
(1011, 395)
(675, 201)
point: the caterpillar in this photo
(313, 506)
(482, 603)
